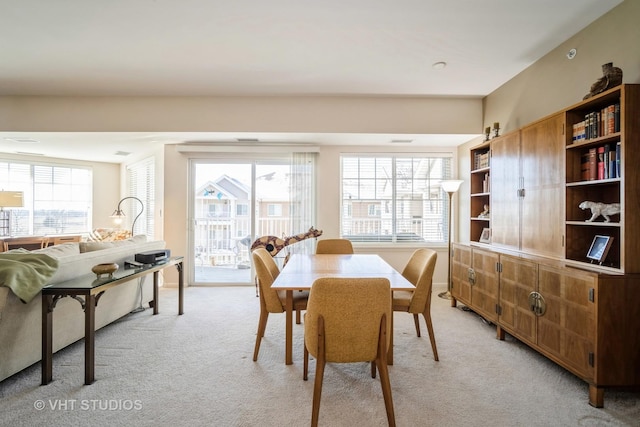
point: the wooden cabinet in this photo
(505, 186)
(518, 279)
(461, 278)
(586, 321)
(475, 280)
(566, 326)
(542, 175)
(527, 179)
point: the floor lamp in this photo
(450, 187)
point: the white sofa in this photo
(21, 324)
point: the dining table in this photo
(302, 270)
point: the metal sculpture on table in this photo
(274, 244)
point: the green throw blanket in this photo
(26, 273)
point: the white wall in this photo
(554, 82)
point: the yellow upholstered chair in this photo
(334, 246)
(271, 301)
(347, 320)
(419, 271)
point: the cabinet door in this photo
(542, 159)
(484, 292)
(566, 330)
(518, 278)
(461, 263)
(505, 179)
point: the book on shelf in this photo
(618, 166)
(584, 167)
(600, 162)
(481, 160)
(593, 164)
(597, 124)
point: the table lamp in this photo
(118, 214)
(8, 199)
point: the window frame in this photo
(347, 211)
(28, 178)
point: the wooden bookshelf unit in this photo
(537, 279)
(480, 191)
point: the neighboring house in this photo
(222, 217)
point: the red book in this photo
(593, 164)
(601, 162)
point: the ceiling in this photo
(276, 47)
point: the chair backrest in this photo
(266, 272)
(419, 271)
(352, 309)
(334, 246)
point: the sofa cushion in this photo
(59, 251)
(98, 246)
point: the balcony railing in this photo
(227, 241)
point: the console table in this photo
(87, 290)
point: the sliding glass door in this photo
(233, 203)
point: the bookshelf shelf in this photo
(595, 171)
(480, 189)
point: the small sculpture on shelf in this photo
(107, 268)
(485, 212)
(611, 77)
(496, 129)
(598, 209)
(487, 133)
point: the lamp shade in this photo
(451, 185)
(11, 199)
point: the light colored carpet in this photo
(196, 370)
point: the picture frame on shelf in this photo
(599, 248)
(485, 236)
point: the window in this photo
(274, 210)
(394, 198)
(57, 198)
(242, 209)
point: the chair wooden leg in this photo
(297, 317)
(432, 337)
(305, 368)
(381, 362)
(416, 321)
(262, 326)
(373, 369)
(320, 363)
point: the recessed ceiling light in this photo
(439, 65)
(401, 141)
(22, 140)
(572, 53)
(29, 153)
(248, 140)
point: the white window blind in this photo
(57, 199)
(394, 198)
(141, 184)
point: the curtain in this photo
(302, 195)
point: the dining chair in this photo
(271, 301)
(347, 320)
(334, 246)
(419, 271)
